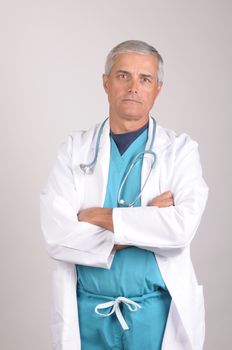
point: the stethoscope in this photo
(89, 168)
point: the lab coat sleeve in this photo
(66, 238)
(166, 231)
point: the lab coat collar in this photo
(162, 138)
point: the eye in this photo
(123, 76)
(146, 80)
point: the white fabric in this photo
(167, 232)
(132, 306)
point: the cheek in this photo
(153, 95)
(113, 97)
(149, 98)
(116, 92)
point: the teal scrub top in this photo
(134, 271)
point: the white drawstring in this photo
(132, 306)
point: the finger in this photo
(166, 203)
(160, 199)
(162, 203)
(166, 195)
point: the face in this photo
(132, 86)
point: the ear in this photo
(105, 82)
(159, 87)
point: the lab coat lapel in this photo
(94, 185)
(153, 186)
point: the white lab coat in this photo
(167, 232)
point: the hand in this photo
(97, 216)
(163, 200)
(103, 216)
(86, 215)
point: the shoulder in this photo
(181, 157)
(78, 139)
(83, 135)
(172, 141)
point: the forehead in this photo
(139, 62)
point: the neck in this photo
(120, 126)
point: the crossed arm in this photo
(103, 216)
(164, 231)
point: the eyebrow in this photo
(143, 75)
(147, 76)
(122, 71)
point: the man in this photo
(121, 207)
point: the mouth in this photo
(130, 100)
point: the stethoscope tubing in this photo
(89, 168)
(122, 202)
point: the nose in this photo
(133, 88)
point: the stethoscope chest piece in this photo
(87, 169)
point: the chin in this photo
(131, 117)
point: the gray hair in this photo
(135, 46)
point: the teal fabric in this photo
(134, 274)
(124, 140)
(146, 325)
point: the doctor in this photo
(121, 207)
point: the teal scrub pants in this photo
(146, 325)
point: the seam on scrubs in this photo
(138, 298)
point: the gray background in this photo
(51, 61)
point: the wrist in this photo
(103, 218)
